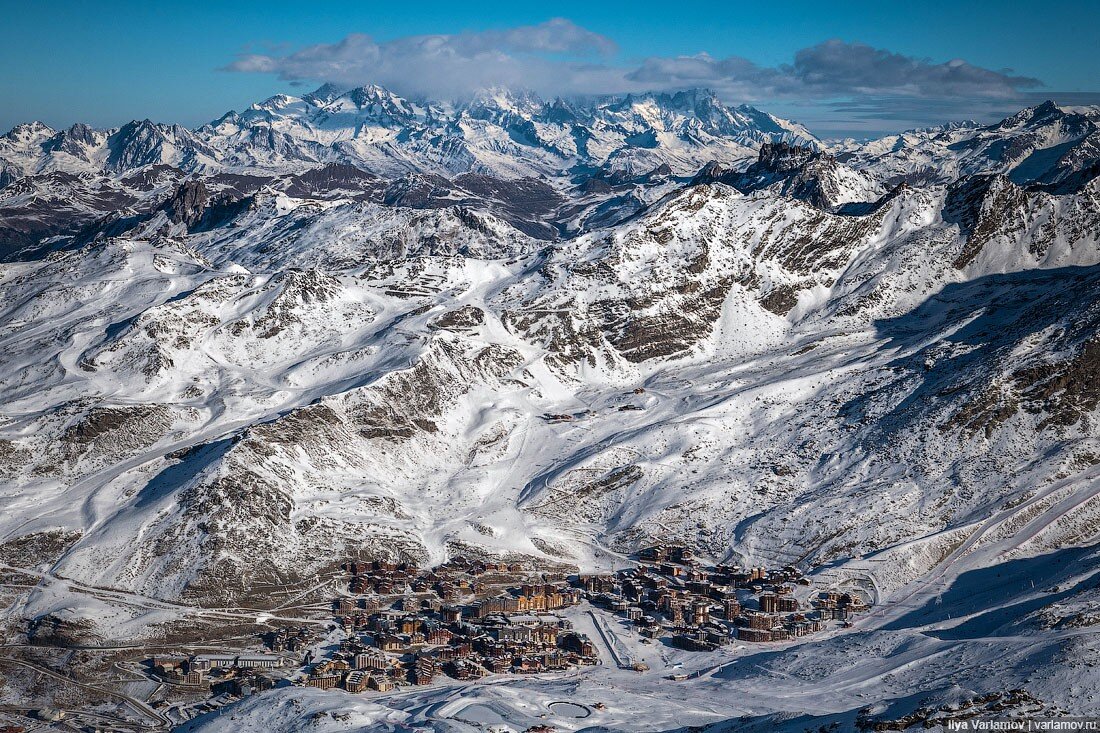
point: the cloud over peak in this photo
(559, 57)
(535, 56)
(832, 69)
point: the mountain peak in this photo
(26, 130)
(504, 100)
(1038, 114)
(275, 103)
(324, 93)
(372, 91)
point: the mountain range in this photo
(351, 324)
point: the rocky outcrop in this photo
(187, 204)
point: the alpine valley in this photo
(352, 327)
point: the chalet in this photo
(527, 665)
(391, 643)
(356, 681)
(438, 637)
(799, 628)
(754, 635)
(716, 635)
(499, 665)
(513, 634)
(657, 583)
(701, 587)
(379, 682)
(761, 621)
(679, 553)
(262, 682)
(633, 589)
(323, 681)
(503, 604)
(578, 643)
(455, 651)
(693, 642)
(423, 671)
(463, 670)
(385, 621)
(545, 634)
(854, 603)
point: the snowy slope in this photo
(731, 310)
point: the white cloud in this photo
(548, 56)
(561, 57)
(834, 69)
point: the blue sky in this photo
(107, 63)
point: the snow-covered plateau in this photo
(351, 325)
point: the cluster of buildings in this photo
(238, 674)
(456, 579)
(288, 639)
(838, 606)
(468, 618)
(464, 619)
(670, 594)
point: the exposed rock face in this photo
(797, 172)
(466, 317)
(187, 203)
(784, 158)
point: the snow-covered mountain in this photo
(496, 133)
(550, 168)
(1047, 144)
(355, 324)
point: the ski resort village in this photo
(392, 627)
